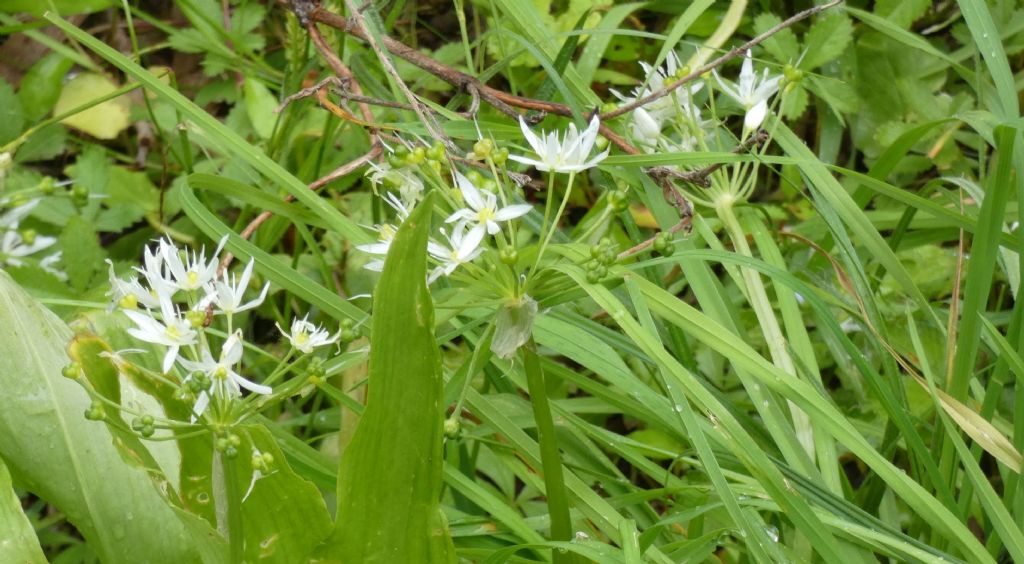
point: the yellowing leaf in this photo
(102, 121)
(978, 428)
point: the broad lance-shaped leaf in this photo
(53, 452)
(389, 482)
(18, 542)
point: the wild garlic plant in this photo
(180, 303)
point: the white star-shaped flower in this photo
(460, 250)
(172, 331)
(305, 336)
(224, 381)
(482, 211)
(190, 270)
(751, 93)
(568, 154)
(227, 294)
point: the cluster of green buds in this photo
(315, 370)
(227, 444)
(484, 149)
(144, 426)
(433, 156)
(663, 245)
(96, 411)
(195, 384)
(618, 199)
(602, 255)
(262, 462)
(79, 195)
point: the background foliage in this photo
(826, 369)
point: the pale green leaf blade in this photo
(389, 482)
(53, 452)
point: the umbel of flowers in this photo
(179, 303)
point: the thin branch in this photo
(433, 128)
(700, 71)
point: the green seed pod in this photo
(196, 318)
(72, 371)
(483, 148)
(231, 453)
(28, 236)
(475, 177)
(418, 156)
(46, 186)
(96, 412)
(508, 255)
(221, 444)
(79, 195)
(489, 185)
(500, 156)
(147, 431)
(596, 274)
(452, 428)
(436, 152)
(618, 200)
(792, 73)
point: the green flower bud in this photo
(508, 255)
(663, 244)
(221, 444)
(72, 371)
(234, 440)
(452, 428)
(595, 275)
(147, 431)
(500, 156)
(231, 453)
(79, 195)
(601, 143)
(483, 148)
(348, 335)
(436, 166)
(46, 186)
(475, 177)
(792, 73)
(436, 152)
(417, 156)
(196, 318)
(489, 185)
(609, 107)
(96, 411)
(396, 161)
(28, 236)
(618, 200)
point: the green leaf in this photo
(259, 105)
(66, 7)
(52, 452)
(389, 482)
(42, 85)
(11, 117)
(826, 40)
(19, 539)
(784, 45)
(283, 516)
(902, 12)
(82, 254)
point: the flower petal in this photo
(511, 212)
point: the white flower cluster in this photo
(178, 291)
(16, 245)
(751, 92)
(482, 215)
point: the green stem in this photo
(551, 462)
(232, 497)
(548, 230)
